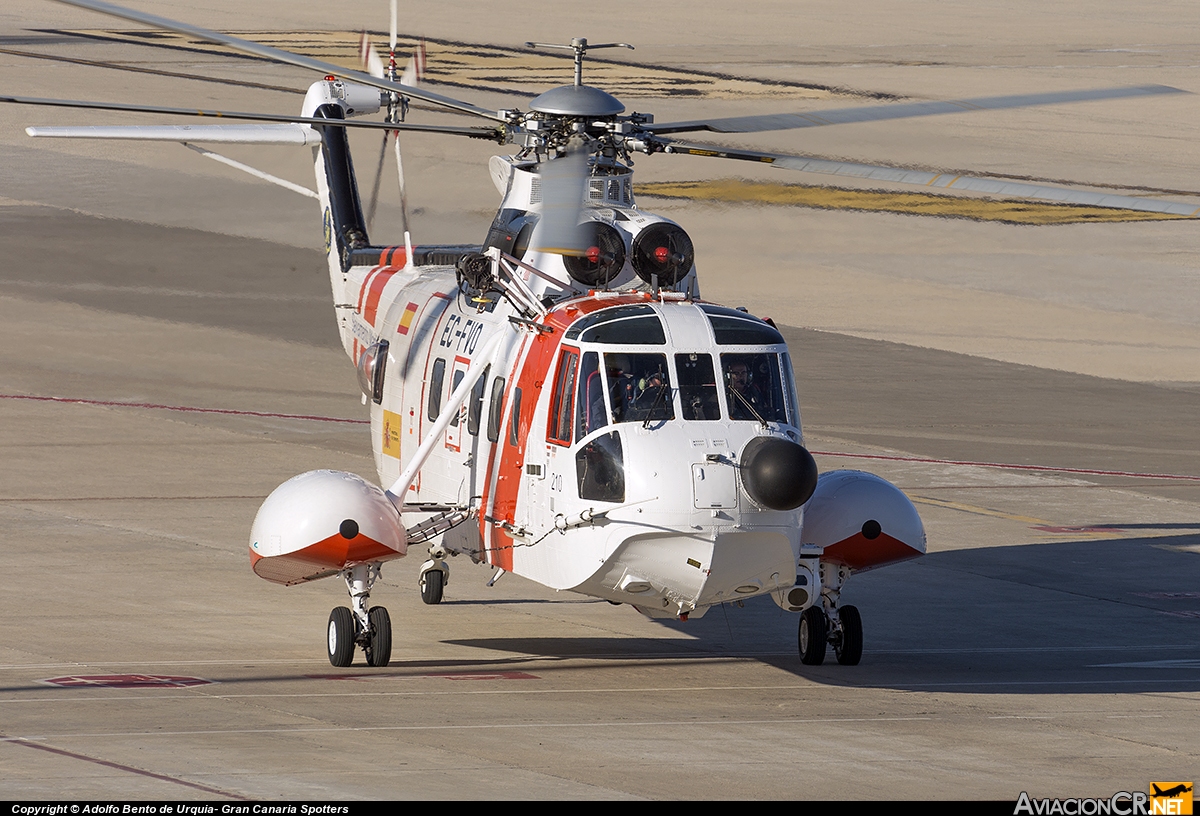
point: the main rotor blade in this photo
(563, 182)
(935, 180)
(909, 110)
(403, 189)
(286, 57)
(492, 134)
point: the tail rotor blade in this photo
(378, 178)
(414, 72)
(369, 59)
(392, 30)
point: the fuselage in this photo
(601, 450)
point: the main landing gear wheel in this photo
(431, 586)
(379, 641)
(813, 633)
(341, 636)
(849, 645)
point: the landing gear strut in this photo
(829, 623)
(371, 630)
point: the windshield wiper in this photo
(749, 406)
(662, 388)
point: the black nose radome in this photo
(349, 529)
(777, 473)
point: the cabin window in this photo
(475, 410)
(590, 403)
(562, 404)
(754, 387)
(457, 380)
(600, 469)
(493, 427)
(435, 388)
(697, 386)
(639, 387)
(514, 432)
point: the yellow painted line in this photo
(980, 511)
(478, 65)
(1010, 211)
(1030, 520)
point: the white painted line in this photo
(1193, 663)
(483, 727)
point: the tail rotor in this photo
(397, 106)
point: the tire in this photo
(849, 647)
(813, 634)
(379, 646)
(431, 586)
(341, 637)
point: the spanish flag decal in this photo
(406, 319)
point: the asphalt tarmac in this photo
(151, 379)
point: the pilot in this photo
(650, 392)
(622, 386)
(743, 392)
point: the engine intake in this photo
(663, 250)
(603, 259)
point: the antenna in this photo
(580, 46)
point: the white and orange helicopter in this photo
(559, 402)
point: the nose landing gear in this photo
(370, 630)
(830, 623)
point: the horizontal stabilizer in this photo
(282, 134)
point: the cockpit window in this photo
(697, 386)
(562, 403)
(734, 328)
(639, 387)
(600, 469)
(754, 387)
(637, 325)
(592, 413)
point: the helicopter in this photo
(559, 401)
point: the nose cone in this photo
(777, 473)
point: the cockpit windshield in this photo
(639, 387)
(754, 387)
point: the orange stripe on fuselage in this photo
(391, 261)
(362, 293)
(374, 293)
(535, 359)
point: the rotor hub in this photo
(582, 101)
